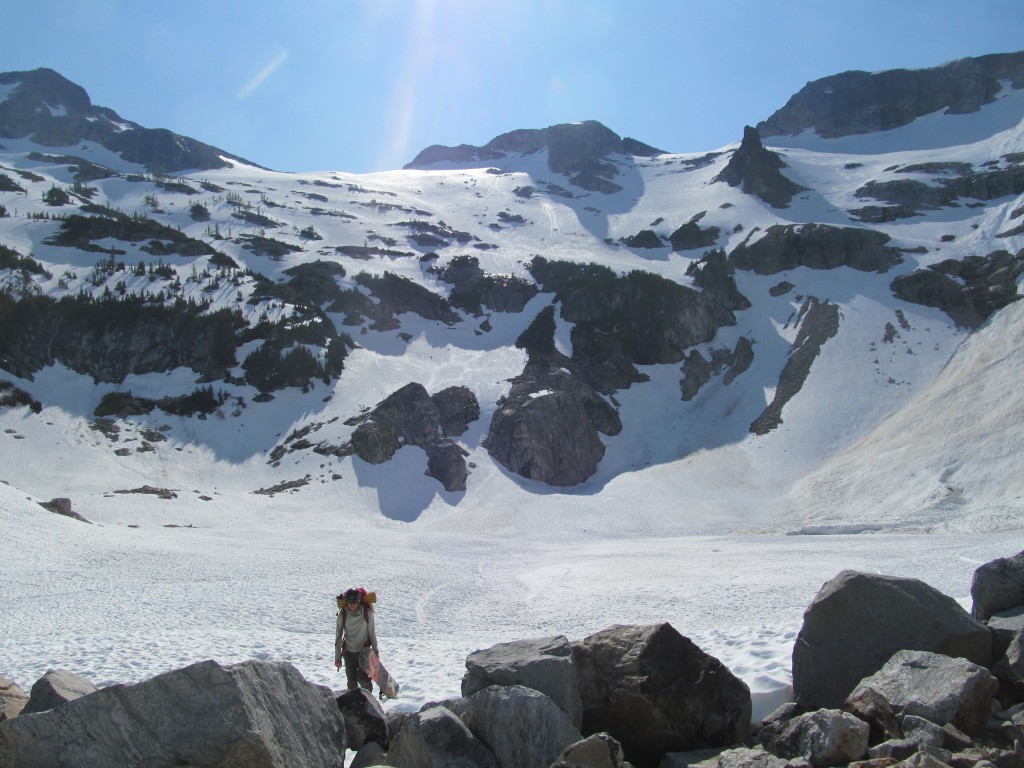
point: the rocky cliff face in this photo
(54, 112)
(862, 102)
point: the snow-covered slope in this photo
(208, 542)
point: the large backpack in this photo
(367, 600)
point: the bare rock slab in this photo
(256, 714)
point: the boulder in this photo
(894, 749)
(521, 726)
(1010, 668)
(1004, 626)
(257, 714)
(56, 687)
(936, 687)
(544, 664)
(435, 737)
(596, 751)
(365, 721)
(369, 755)
(12, 698)
(997, 586)
(657, 692)
(922, 731)
(871, 707)
(742, 757)
(825, 737)
(857, 621)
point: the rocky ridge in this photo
(862, 102)
(54, 112)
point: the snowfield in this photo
(900, 457)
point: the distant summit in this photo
(862, 102)
(577, 150)
(43, 105)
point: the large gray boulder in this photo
(256, 714)
(521, 726)
(825, 737)
(57, 687)
(12, 698)
(857, 621)
(1010, 668)
(596, 751)
(997, 586)
(936, 687)
(365, 721)
(657, 692)
(742, 757)
(544, 664)
(436, 738)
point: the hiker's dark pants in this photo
(355, 675)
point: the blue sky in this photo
(360, 86)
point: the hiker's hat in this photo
(352, 596)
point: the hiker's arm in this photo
(372, 628)
(338, 637)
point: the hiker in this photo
(355, 632)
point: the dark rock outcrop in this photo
(691, 235)
(819, 322)
(395, 295)
(818, 246)
(410, 416)
(577, 150)
(908, 197)
(473, 290)
(655, 692)
(715, 275)
(861, 102)
(54, 112)
(697, 370)
(757, 171)
(857, 621)
(639, 318)
(934, 289)
(457, 408)
(645, 239)
(969, 291)
(545, 435)
(257, 714)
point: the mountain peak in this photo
(859, 102)
(43, 105)
(574, 149)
